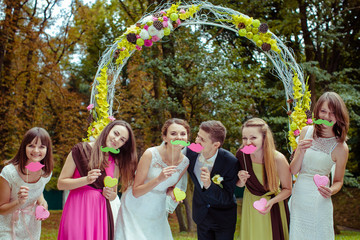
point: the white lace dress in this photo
(22, 223)
(311, 215)
(146, 217)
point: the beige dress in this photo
(21, 225)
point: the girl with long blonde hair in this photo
(262, 168)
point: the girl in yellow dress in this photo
(261, 171)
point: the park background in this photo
(49, 53)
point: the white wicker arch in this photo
(206, 13)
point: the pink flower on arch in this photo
(112, 118)
(155, 38)
(296, 132)
(91, 106)
(148, 43)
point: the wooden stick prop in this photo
(244, 161)
(248, 150)
(40, 213)
(32, 167)
(108, 180)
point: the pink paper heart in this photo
(321, 180)
(41, 213)
(260, 205)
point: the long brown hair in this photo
(337, 105)
(21, 158)
(126, 159)
(271, 178)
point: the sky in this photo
(60, 9)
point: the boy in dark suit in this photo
(214, 173)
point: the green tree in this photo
(33, 82)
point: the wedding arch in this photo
(153, 26)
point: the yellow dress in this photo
(254, 225)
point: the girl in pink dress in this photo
(87, 213)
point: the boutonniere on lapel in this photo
(217, 179)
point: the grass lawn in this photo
(50, 229)
(348, 235)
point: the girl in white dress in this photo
(22, 190)
(319, 148)
(142, 213)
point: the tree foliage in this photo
(33, 82)
(197, 73)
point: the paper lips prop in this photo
(34, 166)
(196, 147)
(248, 149)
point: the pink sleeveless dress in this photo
(85, 215)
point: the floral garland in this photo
(255, 31)
(153, 28)
(301, 116)
(101, 109)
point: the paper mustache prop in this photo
(248, 149)
(196, 147)
(322, 121)
(180, 142)
(109, 149)
(34, 166)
